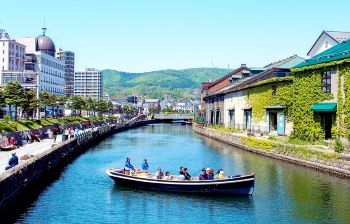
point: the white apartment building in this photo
(68, 58)
(88, 83)
(12, 53)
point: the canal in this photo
(284, 193)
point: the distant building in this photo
(12, 53)
(132, 99)
(184, 107)
(151, 106)
(106, 97)
(68, 58)
(88, 83)
(326, 40)
(40, 59)
(232, 107)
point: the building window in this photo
(326, 81)
(273, 90)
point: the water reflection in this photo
(284, 193)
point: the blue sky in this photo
(140, 35)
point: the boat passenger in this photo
(181, 172)
(144, 165)
(210, 173)
(167, 176)
(186, 174)
(159, 173)
(203, 175)
(128, 165)
(221, 175)
(217, 174)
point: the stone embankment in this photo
(332, 163)
(22, 179)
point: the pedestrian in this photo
(55, 133)
(12, 162)
(76, 132)
(71, 133)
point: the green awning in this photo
(324, 107)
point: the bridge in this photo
(179, 118)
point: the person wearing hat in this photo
(203, 175)
(144, 165)
(12, 162)
(128, 165)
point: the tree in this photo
(153, 110)
(2, 101)
(14, 95)
(61, 101)
(91, 104)
(44, 100)
(30, 103)
(77, 103)
(110, 107)
(102, 107)
(52, 102)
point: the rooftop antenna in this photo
(44, 28)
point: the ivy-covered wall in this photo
(306, 91)
(261, 96)
(343, 111)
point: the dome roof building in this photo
(45, 44)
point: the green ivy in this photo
(301, 152)
(345, 71)
(306, 91)
(262, 97)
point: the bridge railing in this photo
(174, 116)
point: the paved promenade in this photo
(34, 148)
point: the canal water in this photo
(284, 193)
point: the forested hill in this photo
(178, 84)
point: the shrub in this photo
(7, 118)
(338, 146)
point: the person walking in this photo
(55, 133)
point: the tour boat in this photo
(231, 185)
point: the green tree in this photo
(61, 102)
(14, 95)
(2, 100)
(102, 107)
(30, 103)
(110, 107)
(77, 103)
(153, 110)
(44, 100)
(53, 102)
(91, 105)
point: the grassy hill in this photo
(179, 84)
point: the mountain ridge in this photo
(182, 84)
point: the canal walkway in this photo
(320, 159)
(32, 149)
